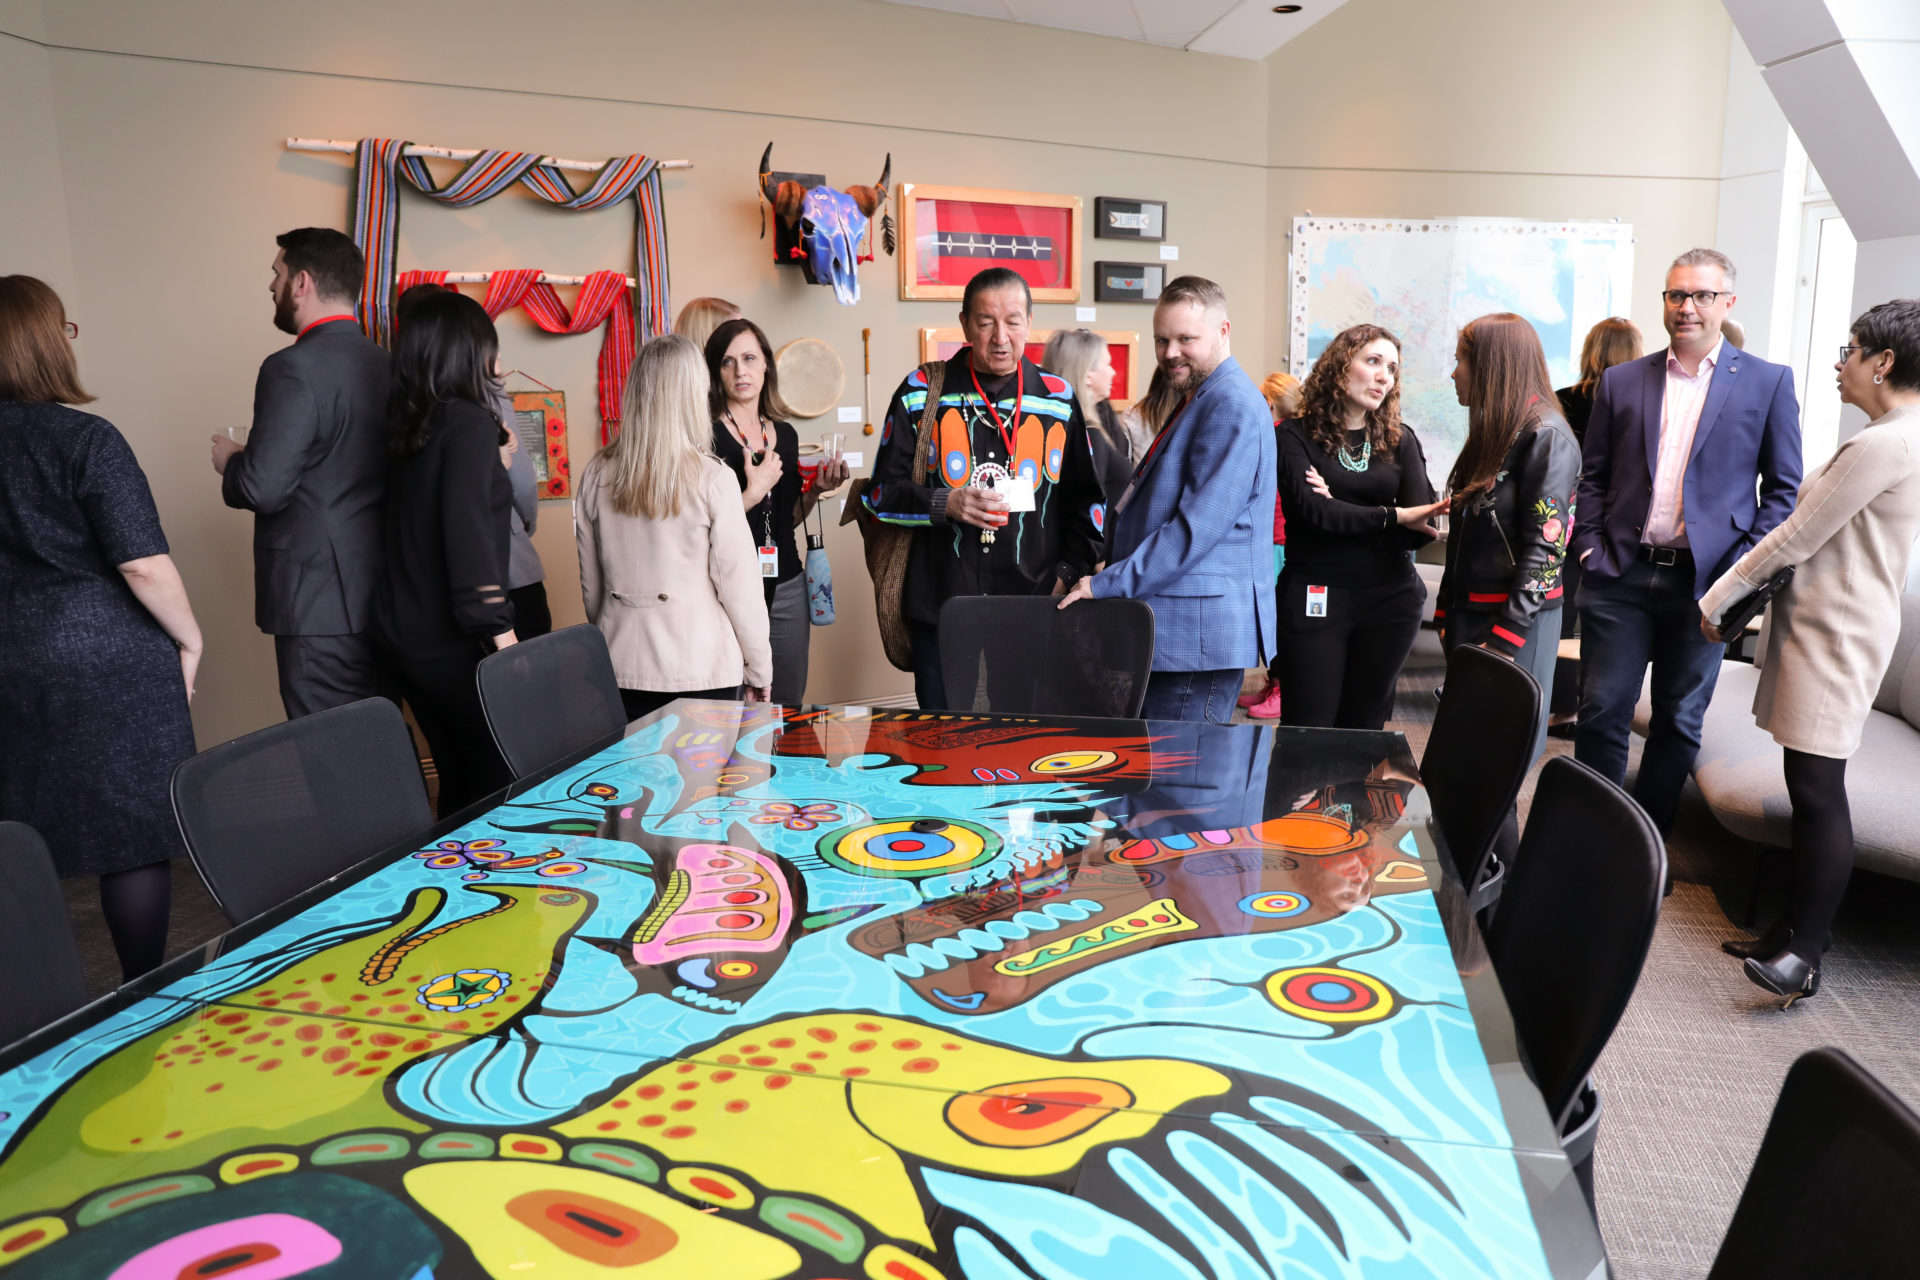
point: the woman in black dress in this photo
(98, 644)
(1354, 490)
(752, 437)
(444, 603)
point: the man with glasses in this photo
(1692, 455)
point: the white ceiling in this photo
(1235, 28)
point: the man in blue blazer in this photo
(1692, 455)
(1192, 535)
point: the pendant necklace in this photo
(1359, 463)
(989, 471)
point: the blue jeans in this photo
(1192, 695)
(1647, 615)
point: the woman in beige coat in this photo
(667, 564)
(1831, 632)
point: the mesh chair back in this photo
(1833, 1188)
(1575, 923)
(35, 939)
(276, 812)
(1479, 753)
(548, 697)
(1023, 655)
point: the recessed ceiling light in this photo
(1288, 8)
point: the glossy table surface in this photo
(755, 992)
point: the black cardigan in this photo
(1350, 539)
(447, 539)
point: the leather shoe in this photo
(1769, 944)
(1784, 975)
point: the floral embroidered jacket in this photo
(1506, 546)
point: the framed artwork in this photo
(1119, 218)
(1128, 281)
(1123, 346)
(952, 234)
(540, 420)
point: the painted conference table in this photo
(753, 993)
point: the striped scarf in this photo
(601, 297)
(376, 229)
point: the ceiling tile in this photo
(1251, 29)
(1099, 17)
(974, 8)
(1233, 28)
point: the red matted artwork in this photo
(540, 420)
(1122, 346)
(952, 234)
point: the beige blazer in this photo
(1831, 633)
(679, 599)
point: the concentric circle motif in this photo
(1061, 763)
(736, 968)
(1274, 904)
(463, 989)
(909, 848)
(562, 869)
(1325, 994)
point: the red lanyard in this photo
(1019, 398)
(323, 320)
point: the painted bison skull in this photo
(828, 225)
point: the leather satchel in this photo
(1748, 607)
(887, 546)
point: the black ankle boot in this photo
(1784, 975)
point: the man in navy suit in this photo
(1678, 444)
(1192, 535)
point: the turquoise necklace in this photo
(1352, 463)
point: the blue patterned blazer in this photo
(1193, 535)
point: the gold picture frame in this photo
(1036, 234)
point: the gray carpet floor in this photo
(1688, 1080)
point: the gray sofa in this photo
(1739, 766)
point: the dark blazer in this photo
(314, 473)
(1749, 429)
(1193, 534)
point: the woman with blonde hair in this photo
(99, 647)
(1282, 391)
(1081, 359)
(668, 569)
(701, 316)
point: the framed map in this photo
(1423, 278)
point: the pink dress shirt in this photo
(1686, 396)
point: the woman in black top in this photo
(444, 604)
(1613, 341)
(98, 645)
(751, 437)
(1354, 490)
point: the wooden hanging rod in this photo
(456, 153)
(481, 277)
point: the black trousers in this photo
(318, 673)
(531, 617)
(640, 702)
(1339, 671)
(446, 704)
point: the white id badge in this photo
(1316, 602)
(1018, 491)
(769, 562)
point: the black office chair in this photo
(276, 812)
(1572, 934)
(548, 697)
(1476, 758)
(1833, 1188)
(1023, 655)
(36, 943)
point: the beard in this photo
(1191, 374)
(283, 313)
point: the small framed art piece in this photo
(1128, 281)
(1123, 347)
(1118, 218)
(952, 234)
(540, 420)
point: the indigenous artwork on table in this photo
(766, 992)
(824, 230)
(1128, 281)
(1123, 348)
(952, 234)
(540, 420)
(1118, 218)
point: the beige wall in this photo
(169, 120)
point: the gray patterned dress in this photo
(93, 712)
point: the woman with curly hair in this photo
(1356, 498)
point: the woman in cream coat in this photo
(667, 564)
(1831, 633)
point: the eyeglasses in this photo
(72, 330)
(1701, 297)
(1846, 353)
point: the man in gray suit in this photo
(314, 473)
